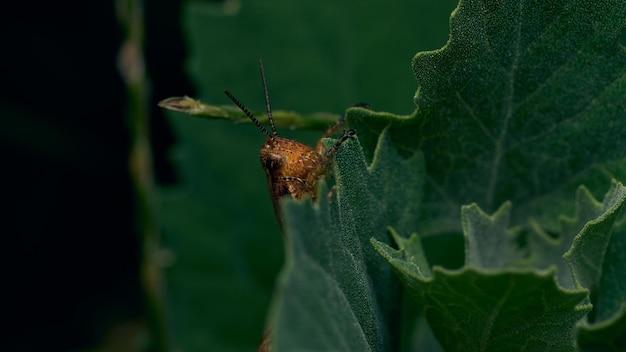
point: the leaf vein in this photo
(508, 102)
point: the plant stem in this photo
(283, 119)
(132, 68)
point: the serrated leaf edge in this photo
(579, 236)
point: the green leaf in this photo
(489, 243)
(505, 310)
(282, 119)
(611, 295)
(547, 250)
(598, 263)
(587, 253)
(606, 336)
(526, 98)
(502, 311)
(336, 293)
(413, 252)
(422, 338)
(582, 240)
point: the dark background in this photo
(72, 252)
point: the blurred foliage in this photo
(218, 223)
(72, 253)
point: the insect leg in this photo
(347, 134)
(291, 178)
(334, 128)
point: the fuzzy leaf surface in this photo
(489, 243)
(548, 250)
(498, 310)
(586, 257)
(336, 293)
(598, 263)
(526, 98)
(612, 284)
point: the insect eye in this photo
(272, 162)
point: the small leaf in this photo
(587, 254)
(547, 250)
(505, 310)
(587, 208)
(605, 328)
(336, 293)
(488, 241)
(413, 251)
(406, 263)
(282, 119)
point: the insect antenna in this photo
(268, 107)
(249, 114)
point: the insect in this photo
(292, 168)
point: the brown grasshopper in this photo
(292, 168)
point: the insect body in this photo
(292, 168)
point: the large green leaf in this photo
(336, 293)
(491, 310)
(526, 98)
(218, 221)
